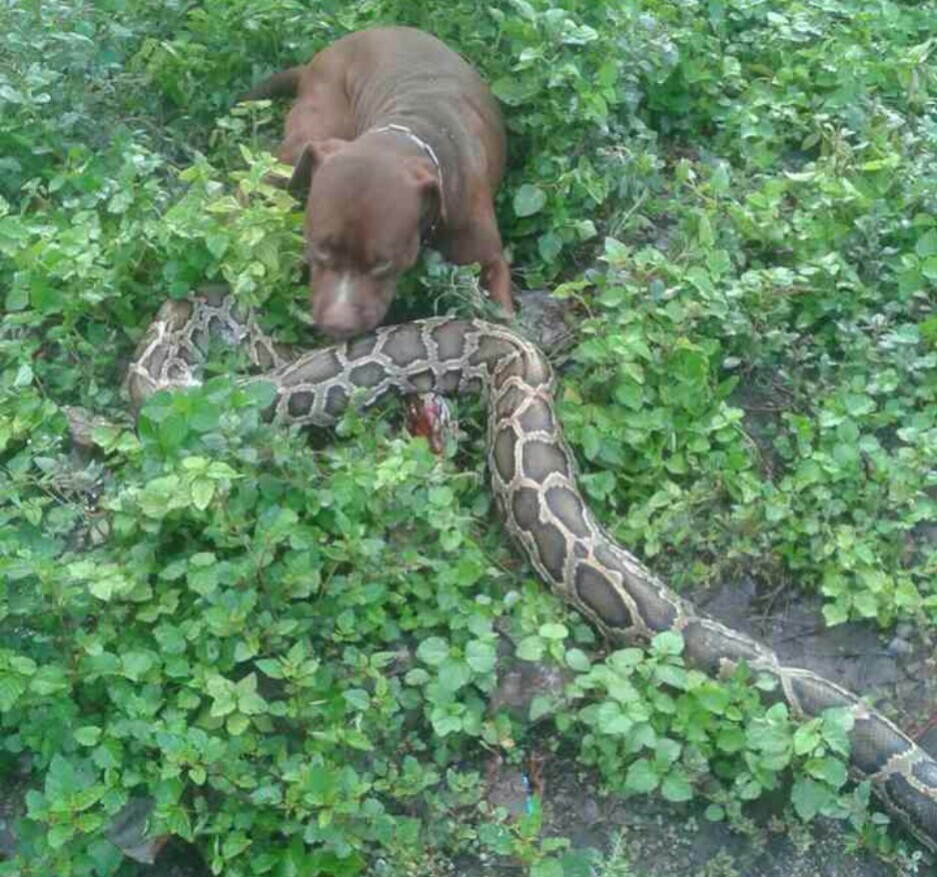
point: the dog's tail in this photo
(282, 84)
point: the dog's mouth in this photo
(343, 334)
(341, 328)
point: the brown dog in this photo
(393, 139)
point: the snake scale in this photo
(533, 478)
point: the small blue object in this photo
(531, 801)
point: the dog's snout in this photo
(341, 321)
(346, 304)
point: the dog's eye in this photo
(382, 269)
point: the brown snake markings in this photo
(533, 476)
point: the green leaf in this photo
(547, 868)
(806, 739)
(135, 664)
(578, 660)
(270, 667)
(612, 720)
(837, 723)
(730, 739)
(172, 432)
(675, 677)
(109, 584)
(88, 735)
(48, 680)
(540, 705)
(357, 698)
(927, 244)
(417, 676)
(549, 245)
(17, 298)
(554, 631)
(929, 268)
(530, 648)
(629, 393)
(217, 244)
(433, 651)
(624, 661)
(236, 724)
(676, 787)
(202, 492)
(234, 844)
(24, 376)
(447, 724)
(641, 777)
(858, 405)
(808, 796)
(714, 698)
(514, 92)
(261, 393)
(831, 770)
(453, 674)
(11, 688)
(59, 835)
(835, 613)
(528, 200)
(866, 604)
(667, 643)
(480, 656)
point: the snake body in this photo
(533, 478)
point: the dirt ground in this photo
(664, 840)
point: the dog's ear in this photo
(425, 176)
(313, 155)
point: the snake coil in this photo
(533, 477)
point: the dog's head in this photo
(364, 209)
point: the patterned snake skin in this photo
(533, 478)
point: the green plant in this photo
(654, 725)
(289, 645)
(616, 862)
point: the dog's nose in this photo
(341, 321)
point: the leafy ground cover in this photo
(291, 648)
